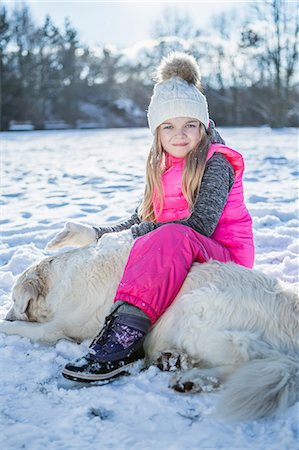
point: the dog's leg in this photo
(172, 360)
(47, 333)
(224, 353)
(201, 379)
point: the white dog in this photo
(227, 323)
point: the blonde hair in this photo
(191, 179)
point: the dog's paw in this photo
(172, 360)
(194, 380)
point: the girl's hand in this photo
(73, 235)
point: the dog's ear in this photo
(29, 292)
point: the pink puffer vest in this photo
(175, 205)
(234, 229)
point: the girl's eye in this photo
(167, 127)
(191, 125)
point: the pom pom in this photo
(180, 65)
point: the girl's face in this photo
(179, 135)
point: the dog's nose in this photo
(10, 316)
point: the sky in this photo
(122, 23)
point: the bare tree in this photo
(5, 37)
(173, 23)
(273, 33)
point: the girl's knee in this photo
(166, 235)
(172, 232)
(174, 229)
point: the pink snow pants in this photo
(158, 264)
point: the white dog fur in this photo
(227, 323)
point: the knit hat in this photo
(177, 93)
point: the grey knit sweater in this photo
(217, 181)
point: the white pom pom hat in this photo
(177, 92)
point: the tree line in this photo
(249, 69)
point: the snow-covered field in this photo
(97, 177)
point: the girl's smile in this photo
(179, 135)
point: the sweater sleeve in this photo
(123, 225)
(216, 183)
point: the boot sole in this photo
(89, 378)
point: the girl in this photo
(192, 210)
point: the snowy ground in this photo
(97, 177)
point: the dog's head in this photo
(29, 294)
(56, 285)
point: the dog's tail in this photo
(261, 388)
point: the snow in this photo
(97, 177)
